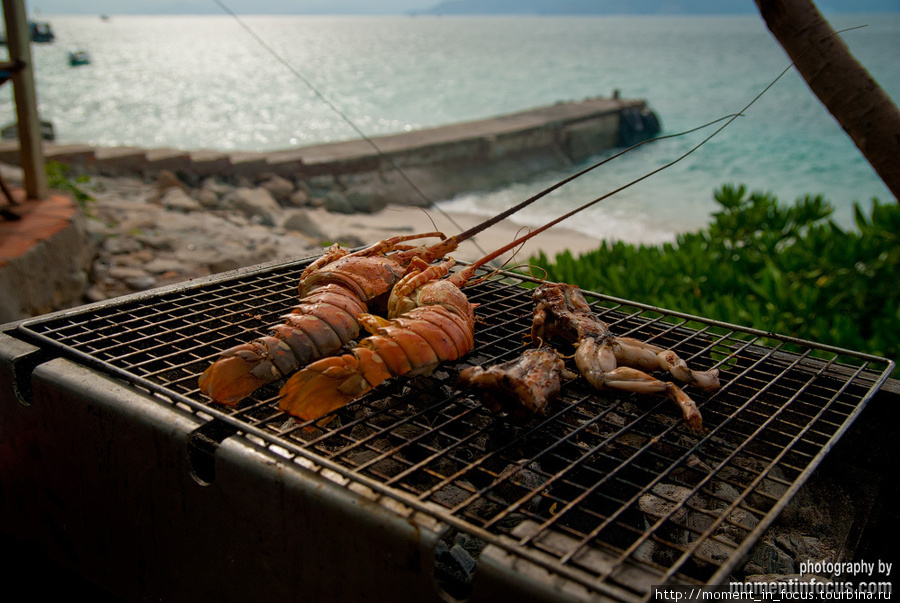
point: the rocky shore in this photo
(145, 233)
(148, 234)
(159, 216)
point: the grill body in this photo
(105, 480)
(115, 464)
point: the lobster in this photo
(336, 289)
(609, 362)
(429, 321)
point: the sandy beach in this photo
(399, 220)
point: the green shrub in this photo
(788, 270)
(57, 180)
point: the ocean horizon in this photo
(203, 82)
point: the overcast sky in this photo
(275, 7)
(371, 7)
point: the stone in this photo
(281, 188)
(225, 264)
(298, 198)
(252, 255)
(158, 242)
(263, 220)
(216, 186)
(132, 224)
(337, 202)
(365, 201)
(299, 221)
(321, 184)
(254, 202)
(167, 179)
(94, 294)
(207, 198)
(120, 244)
(350, 241)
(140, 283)
(126, 272)
(135, 259)
(162, 265)
(178, 200)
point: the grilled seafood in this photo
(350, 282)
(610, 362)
(242, 369)
(334, 291)
(431, 321)
(521, 387)
(426, 316)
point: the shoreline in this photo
(138, 235)
(402, 220)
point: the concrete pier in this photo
(437, 163)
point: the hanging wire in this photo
(340, 113)
(727, 119)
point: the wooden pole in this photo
(840, 82)
(31, 153)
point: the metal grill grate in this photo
(609, 489)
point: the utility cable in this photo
(342, 115)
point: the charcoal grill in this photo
(410, 488)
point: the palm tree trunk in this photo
(841, 83)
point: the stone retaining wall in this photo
(43, 258)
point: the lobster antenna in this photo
(476, 229)
(508, 212)
(340, 113)
(730, 118)
(505, 214)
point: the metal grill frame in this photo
(250, 299)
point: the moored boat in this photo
(41, 31)
(10, 131)
(79, 57)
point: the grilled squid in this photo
(609, 362)
(521, 387)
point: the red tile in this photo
(39, 220)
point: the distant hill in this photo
(638, 7)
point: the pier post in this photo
(18, 41)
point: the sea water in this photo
(206, 82)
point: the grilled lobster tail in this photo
(323, 321)
(432, 322)
(334, 290)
